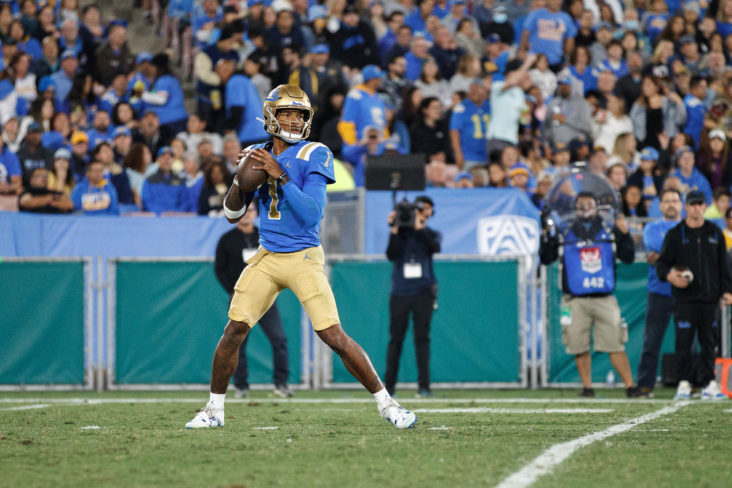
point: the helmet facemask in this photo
(287, 97)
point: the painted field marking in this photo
(555, 455)
(265, 428)
(408, 401)
(26, 407)
(442, 427)
(513, 410)
(90, 427)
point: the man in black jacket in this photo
(413, 289)
(233, 250)
(588, 249)
(694, 260)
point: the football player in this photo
(291, 205)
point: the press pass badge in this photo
(412, 271)
(248, 253)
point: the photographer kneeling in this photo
(413, 286)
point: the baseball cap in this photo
(682, 150)
(69, 53)
(117, 23)
(517, 169)
(604, 25)
(251, 3)
(317, 12)
(35, 127)
(122, 131)
(463, 175)
(649, 154)
(717, 133)
(165, 150)
(46, 83)
(320, 49)
(687, 39)
(144, 57)
(79, 136)
(545, 176)
(564, 80)
(372, 71)
(560, 146)
(493, 38)
(695, 196)
(62, 153)
(350, 9)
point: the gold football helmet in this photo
(287, 97)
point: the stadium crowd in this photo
(493, 93)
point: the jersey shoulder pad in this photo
(313, 151)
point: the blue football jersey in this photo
(280, 229)
(472, 123)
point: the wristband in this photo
(282, 179)
(234, 214)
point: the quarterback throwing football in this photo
(291, 205)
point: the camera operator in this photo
(413, 286)
(588, 249)
(694, 260)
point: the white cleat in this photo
(207, 417)
(398, 415)
(712, 392)
(683, 392)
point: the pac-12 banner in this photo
(489, 221)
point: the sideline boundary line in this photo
(555, 455)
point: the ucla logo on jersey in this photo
(509, 235)
(591, 259)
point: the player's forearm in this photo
(308, 203)
(235, 203)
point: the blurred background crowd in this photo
(492, 93)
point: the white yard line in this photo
(513, 410)
(555, 455)
(26, 407)
(405, 401)
(265, 428)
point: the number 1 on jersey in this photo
(477, 127)
(273, 213)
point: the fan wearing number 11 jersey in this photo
(291, 205)
(469, 127)
(587, 250)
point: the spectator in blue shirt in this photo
(417, 55)
(551, 32)
(469, 127)
(691, 178)
(164, 191)
(95, 195)
(166, 99)
(614, 62)
(416, 20)
(659, 303)
(243, 106)
(363, 108)
(695, 109)
(63, 79)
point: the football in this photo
(249, 179)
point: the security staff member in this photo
(588, 250)
(413, 290)
(233, 250)
(694, 260)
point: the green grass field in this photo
(324, 439)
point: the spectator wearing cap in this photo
(204, 20)
(429, 134)
(121, 143)
(61, 177)
(458, 14)
(568, 115)
(363, 108)
(116, 93)
(518, 176)
(164, 191)
(140, 80)
(242, 104)
(416, 56)
(544, 182)
(696, 248)
(463, 180)
(690, 55)
(508, 103)
(354, 44)
(469, 127)
(695, 109)
(32, 154)
(714, 159)
(63, 79)
(549, 31)
(499, 22)
(647, 177)
(114, 55)
(113, 172)
(609, 123)
(655, 113)
(209, 89)
(102, 130)
(79, 153)
(95, 194)
(691, 178)
(603, 36)
(445, 51)
(166, 99)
